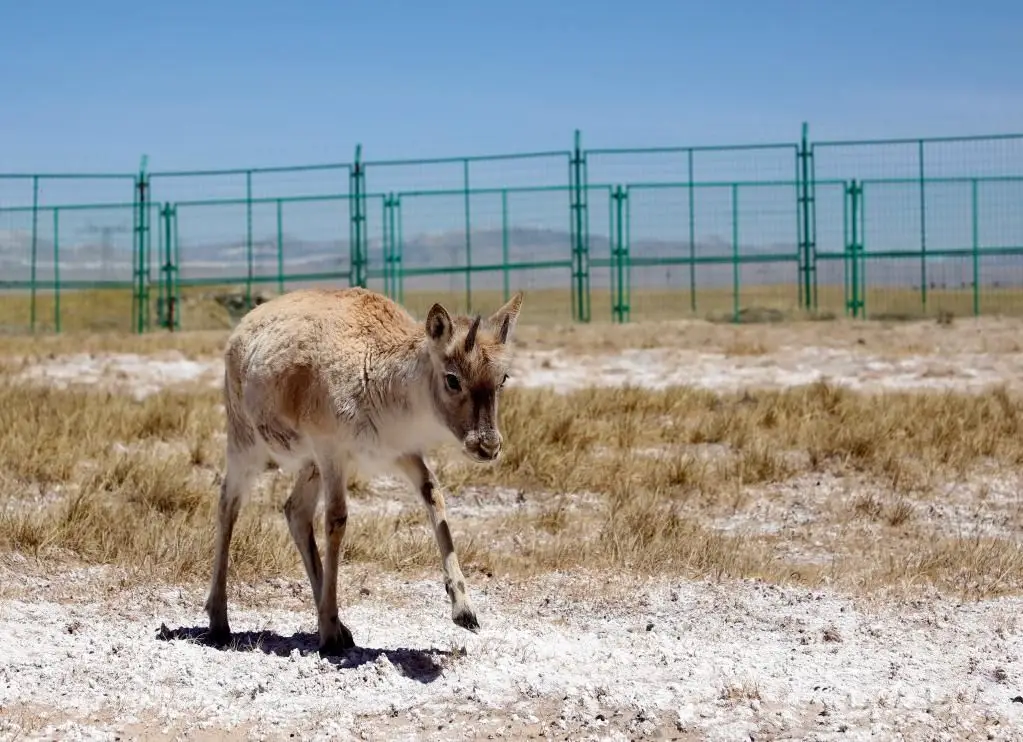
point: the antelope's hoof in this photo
(338, 644)
(466, 618)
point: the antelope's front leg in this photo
(462, 611)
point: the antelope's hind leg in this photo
(239, 475)
(299, 510)
(335, 637)
(423, 479)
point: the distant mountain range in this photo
(94, 259)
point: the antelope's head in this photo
(470, 366)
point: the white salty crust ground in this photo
(582, 657)
(651, 368)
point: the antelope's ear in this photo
(504, 319)
(438, 325)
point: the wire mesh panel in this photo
(527, 170)
(61, 189)
(715, 217)
(767, 239)
(769, 162)
(969, 157)
(831, 233)
(67, 269)
(866, 160)
(938, 229)
(95, 263)
(948, 233)
(313, 246)
(474, 248)
(661, 250)
(301, 182)
(893, 230)
(516, 171)
(999, 240)
(434, 249)
(950, 284)
(25, 233)
(537, 243)
(600, 228)
(177, 187)
(215, 263)
(890, 286)
(254, 183)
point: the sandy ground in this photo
(567, 657)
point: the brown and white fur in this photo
(324, 382)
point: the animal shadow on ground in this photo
(416, 664)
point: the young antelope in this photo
(327, 382)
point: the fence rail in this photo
(886, 228)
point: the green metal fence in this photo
(892, 228)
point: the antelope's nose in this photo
(490, 447)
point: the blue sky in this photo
(93, 85)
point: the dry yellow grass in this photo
(110, 310)
(538, 331)
(618, 479)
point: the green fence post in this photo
(975, 231)
(175, 259)
(579, 228)
(140, 291)
(168, 303)
(399, 274)
(861, 251)
(134, 255)
(692, 234)
(846, 240)
(387, 249)
(35, 248)
(853, 250)
(468, 236)
(923, 227)
(56, 269)
(506, 280)
(280, 246)
(248, 240)
(619, 256)
(735, 252)
(357, 220)
(616, 249)
(627, 283)
(807, 258)
(162, 298)
(391, 262)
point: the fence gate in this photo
(854, 262)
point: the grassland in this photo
(110, 310)
(686, 535)
(617, 478)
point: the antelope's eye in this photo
(452, 383)
(504, 380)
